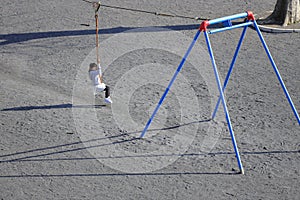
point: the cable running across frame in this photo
(148, 12)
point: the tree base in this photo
(267, 19)
(271, 19)
(286, 12)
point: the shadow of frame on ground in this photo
(6, 39)
(140, 174)
(117, 174)
(23, 37)
(24, 157)
(47, 107)
(40, 154)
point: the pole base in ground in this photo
(242, 171)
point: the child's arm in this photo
(99, 69)
(100, 73)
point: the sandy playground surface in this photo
(59, 142)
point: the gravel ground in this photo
(59, 142)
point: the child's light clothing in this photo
(95, 73)
(95, 78)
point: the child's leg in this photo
(107, 92)
(107, 95)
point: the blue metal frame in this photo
(171, 82)
(224, 102)
(228, 24)
(231, 17)
(231, 27)
(231, 68)
(254, 23)
(277, 72)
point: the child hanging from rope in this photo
(95, 69)
(95, 74)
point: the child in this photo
(95, 75)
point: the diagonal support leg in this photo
(224, 103)
(230, 69)
(277, 72)
(170, 84)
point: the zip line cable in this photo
(147, 12)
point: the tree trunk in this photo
(286, 12)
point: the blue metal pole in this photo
(277, 72)
(230, 28)
(231, 68)
(232, 17)
(224, 103)
(170, 84)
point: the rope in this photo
(97, 38)
(149, 12)
(97, 6)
